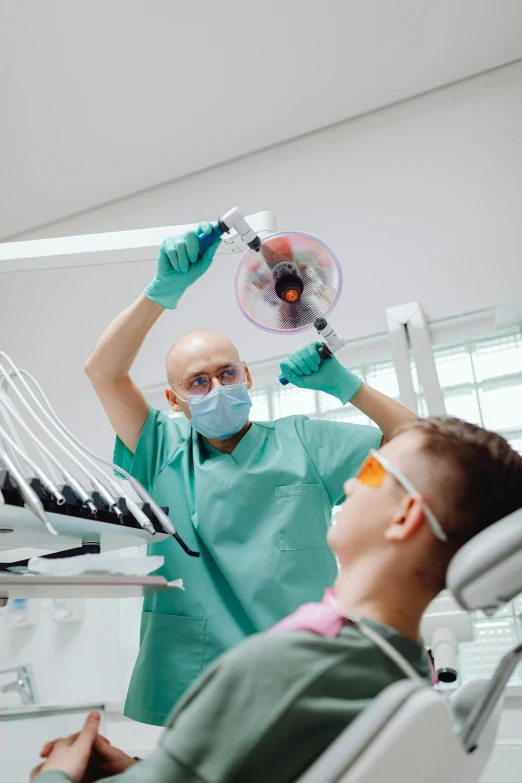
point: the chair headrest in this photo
(487, 572)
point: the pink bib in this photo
(324, 619)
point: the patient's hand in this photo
(86, 757)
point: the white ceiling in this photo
(104, 98)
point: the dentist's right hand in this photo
(179, 266)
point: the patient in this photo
(267, 709)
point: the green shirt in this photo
(259, 518)
(267, 709)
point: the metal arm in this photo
(479, 716)
(232, 220)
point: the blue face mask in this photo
(222, 412)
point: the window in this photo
(276, 401)
(481, 382)
(493, 638)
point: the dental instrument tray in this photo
(79, 531)
(77, 535)
(39, 587)
(73, 507)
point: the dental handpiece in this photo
(332, 343)
(49, 486)
(108, 499)
(79, 491)
(139, 515)
(159, 513)
(30, 498)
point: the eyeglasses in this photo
(372, 473)
(199, 384)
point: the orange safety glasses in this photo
(372, 473)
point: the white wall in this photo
(89, 661)
(420, 201)
(66, 669)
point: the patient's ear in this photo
(407, 519)
(172, 400)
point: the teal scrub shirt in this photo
(259, 518)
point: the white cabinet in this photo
(24, 732)
(505, 765)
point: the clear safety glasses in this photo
(199, 384)
(372, 473)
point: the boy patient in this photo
(267, 709)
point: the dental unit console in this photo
(44, 485)
(15, 493)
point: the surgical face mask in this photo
(222, 412)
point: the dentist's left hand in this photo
(307, 370)
(86, 757)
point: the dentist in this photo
(255, 499)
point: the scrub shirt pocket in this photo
(301, 517)
(170, 658)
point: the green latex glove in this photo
(306, 369)
(179, 266)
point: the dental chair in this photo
(412, 733)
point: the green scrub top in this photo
(259, 518)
